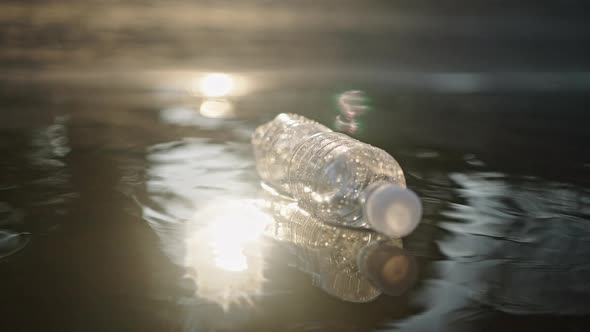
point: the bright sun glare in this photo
(225, 250)
(216, 85)
(229, 235)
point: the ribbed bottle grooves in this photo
(308, 159)
(273, 145)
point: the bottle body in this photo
(274, 144)
(329, 172)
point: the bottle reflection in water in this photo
(351, 264)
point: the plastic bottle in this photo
(352, 264)
(336, 178)
(274, 143)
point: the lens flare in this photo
(353, 106)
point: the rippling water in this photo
(114, 210)
(129, 199)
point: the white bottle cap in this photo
(392, 210)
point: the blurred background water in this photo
(119, 150)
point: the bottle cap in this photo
(388, 267)
(392, 210)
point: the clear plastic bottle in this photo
(336, 178)
(274, 143)
(352, 264)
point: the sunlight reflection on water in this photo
(206, 219)
(216, 85)
(225, 257)
(217, 109)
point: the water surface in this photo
(117, 169)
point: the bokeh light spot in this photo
(216, 85)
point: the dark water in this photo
(108, 158)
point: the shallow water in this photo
(119, 177)
(113, 190)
